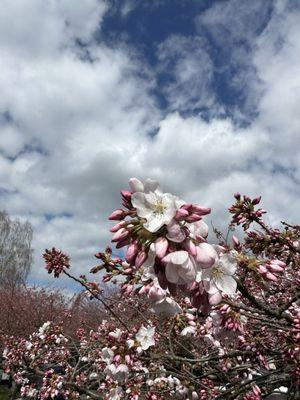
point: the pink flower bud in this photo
(275, 268)
(235, 240)
(201, 210)
(123, 242)
(190, 317)
(190, 247)
(193, 218)
(256, 200)
(206, 255)
(181, 214)
(129, 289)
(262, 269)
(116, 227)
(126, 194)
(175, 232)
(271, 276)
(117, 215)
(186, 206)
(117, 358)
(279, 263)
(120, 235)
(106, 278)
(200, 239)
(128, 271)
(128, 359)
(141, 258)
(143, 290)
(256, 390)
(131, 252)
(161, 247)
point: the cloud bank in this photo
(79, 116)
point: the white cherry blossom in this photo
(107, 355)
(145, 337)
(188, 331)
(115, 394)
(219, 277)
(166, 307)
(156, 207)
(180, 267)
(119, 373)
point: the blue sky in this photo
(202, 95)
(148, 25)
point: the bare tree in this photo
(15, 251)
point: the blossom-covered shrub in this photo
(25, 309)
(193, 320)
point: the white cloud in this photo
(79, 129)
(234, 21)
(233, 26)
(37, 28)
(190, 74)
(278, 66)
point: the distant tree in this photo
(15, 251)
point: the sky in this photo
(203, 96)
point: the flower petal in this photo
(187, 272)
(206, 255)
(136, 185)
(210, 287)
(199, 228)
(172, 273)
(228, 264)
(215, 298)
(227, 284)
(179, 257)
(151, 199)
(139, 202)
(166, 307)
(175, 232)
(154, 223)
(150, 185)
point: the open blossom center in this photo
(159, 208)
(217, 272)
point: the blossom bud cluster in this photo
(244, 212)
(271, 268)
(232, 320)
(56, 261)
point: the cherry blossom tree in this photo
(193, 320)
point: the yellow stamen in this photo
(217, 273)
(158, 208)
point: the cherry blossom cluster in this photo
(167, 250)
